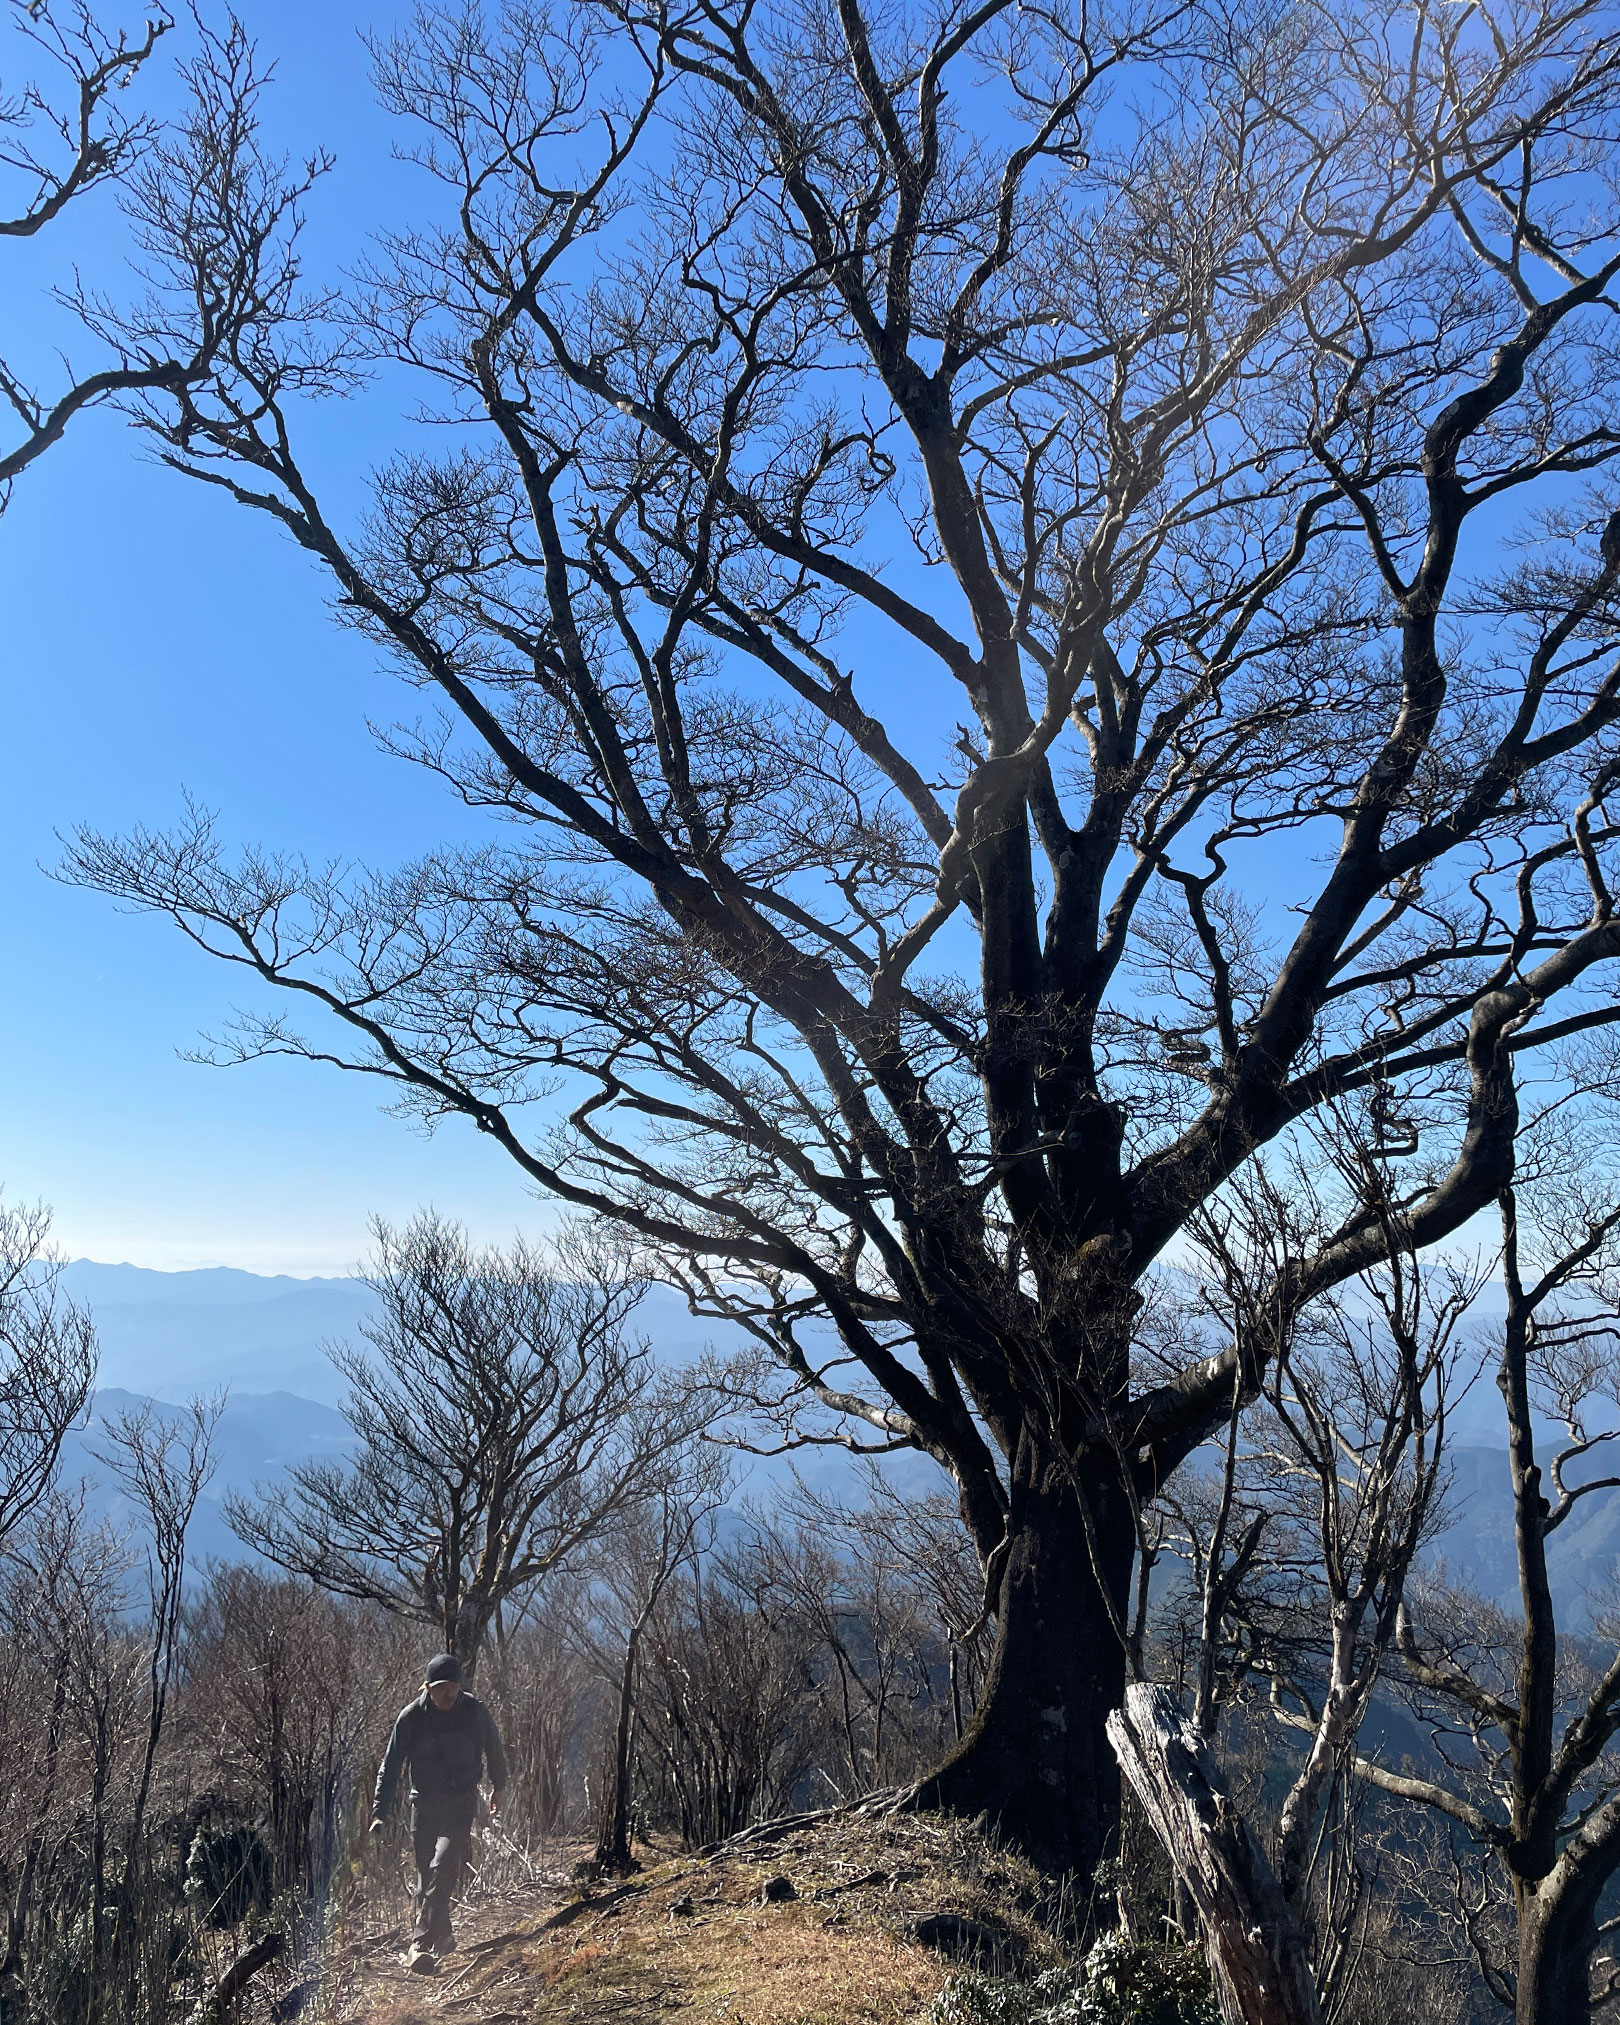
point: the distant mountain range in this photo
(173, 1334)
(258, 1435)
(168, 1335)
(1476, 1551)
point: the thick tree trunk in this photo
(1557, 1938)
(1035, 1759)
(1256, 1950)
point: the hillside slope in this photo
(882, 1910)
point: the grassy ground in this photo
(703, 1938)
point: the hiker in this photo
(447, 1737)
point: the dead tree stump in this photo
(1257, 1953)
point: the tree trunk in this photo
(1256, 1950)
(1557, 1939)
(613, 1836)
(1035, 1759)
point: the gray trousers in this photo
(441, 1833)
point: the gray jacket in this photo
(446, 1752)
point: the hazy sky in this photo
(152, 640)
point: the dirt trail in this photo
(846, 1922)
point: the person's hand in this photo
(496, 1798)
(377, 1825)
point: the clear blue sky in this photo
(155, 640)
(152, 640)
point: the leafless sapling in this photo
(668, 1525)
(1525, 1712)
(1319, 1508)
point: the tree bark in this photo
(1557, 1939)
(1035, 1758)
(1256, 1949)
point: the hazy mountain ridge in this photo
(171, 1334)
(258, 1435)
(1476, 1550)
(167, 1335)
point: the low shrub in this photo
(1121, 1983)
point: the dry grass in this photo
(696, 1936)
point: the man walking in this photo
(447, 1737)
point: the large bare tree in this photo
(1030, 594)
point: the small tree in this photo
(668, 1528)
(1312, 1529)
(540, 1682)
(163, 1462)
(47, 1364)
(283, 1686)
(94, 1928)
(892, 1593)
(494, 1406)
(1526, 1713)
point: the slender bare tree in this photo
(670, 1524)
(502, 1409)
(1317, 1515)
(1034, 591)
(162, 1461)
(1526, 1712)
(47, 1363)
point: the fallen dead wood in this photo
(576, 1909)
(889, 1800)
(215, 2008)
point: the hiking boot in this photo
(422, 1961)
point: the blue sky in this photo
(152, 641)
(155, 641)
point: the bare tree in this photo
(668, 1527)
(494, 1407)
(539, 1682)
(897, 1619)
(284, 1687)
(1234, 463)
(93, 1923)
(1526, 1713)
(943, 1574)
(72, 1714)
(47, 1363)
(1346, 1471)
(726, 1692)
(163, 1462)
